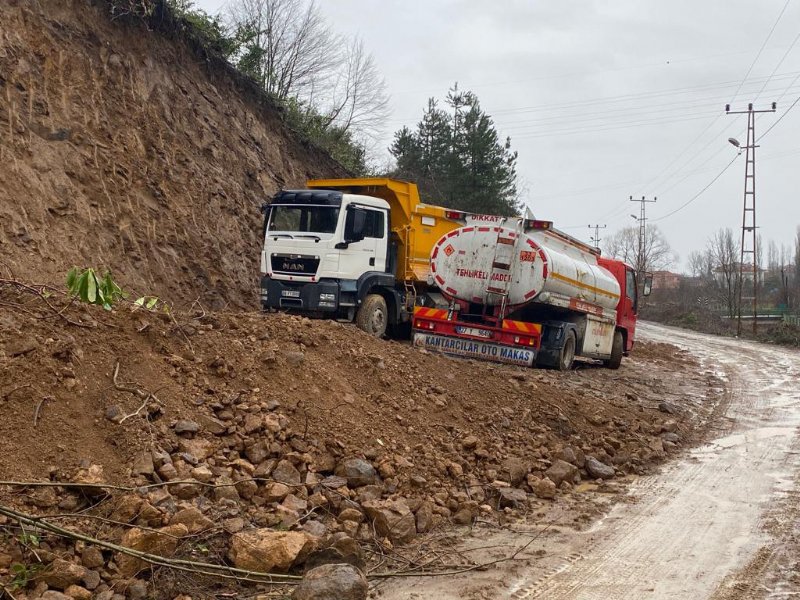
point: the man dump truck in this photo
(521, 292)
(354, 249)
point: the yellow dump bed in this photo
(415, 226)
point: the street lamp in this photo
(734, 142)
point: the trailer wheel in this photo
(373, 315)
(567, 355)
(617, 349)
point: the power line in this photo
(760, 50)
(698, 194)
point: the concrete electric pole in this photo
(641, 249)
(596, 238)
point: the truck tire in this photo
(567, 354)
(373, 315)
(617, 349)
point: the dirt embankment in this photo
(124, 147)
(260, 426)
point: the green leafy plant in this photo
(22, 575)
(88, 287)
(29, 539)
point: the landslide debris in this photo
(270, 442)
(125, 146)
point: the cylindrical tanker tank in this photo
(467, 265)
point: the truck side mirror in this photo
(354, 224)
(648, 284)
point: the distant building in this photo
(747, 275)
(666, 280)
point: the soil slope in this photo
(125, 147)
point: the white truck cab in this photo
(324, 251)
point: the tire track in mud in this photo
(701, 519)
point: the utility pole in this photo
(641, 250)
(596, 238)
(749, 242)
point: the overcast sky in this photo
(606, 99)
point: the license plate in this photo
(290, 293)
(484, 333)
(475, 349)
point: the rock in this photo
(92, 476)
(515, 469)
(127, 508)
(275, 492)
(61, 574)
(667, 407)
(162, 543)
(92, 557)
(669, 426)
(285, 472)
(294, 359)
(202, 474)
(53, 595)
(143, 464)
(542, 488)
(512, 497)
(350, 514)
(186, 426)
(225, 489)
(267, 550)
(198, 447)
(392, 519)
(78, 593)
(253, 423)
(597, 469)
(560, 471)
(91, 579)
(332, 582)
(315, 528)
(671, 437)
(233, 525)
(425, 517)
(194, 520)
(470, 442)
(137, 590)
(292, 502)
(358, 472)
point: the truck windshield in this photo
(299, 218)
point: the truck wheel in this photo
(567, 352)
(373, 315)
(616, 351)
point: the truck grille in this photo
(293, 264)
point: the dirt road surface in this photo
(722, 523)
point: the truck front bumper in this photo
(322, 296)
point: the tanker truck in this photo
(524, 293)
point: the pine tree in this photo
(457, 158)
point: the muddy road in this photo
(721, 523)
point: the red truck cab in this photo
(629, 302)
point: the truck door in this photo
(629, 305)
(368, 253)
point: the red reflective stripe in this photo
(452, 291)
(468, 229)
(531, 243)
(435, 252)
(544, 271)
(530, 294)
(433, 265)
(453, 233)
(542, 255)
(440, 280)
(482, 229)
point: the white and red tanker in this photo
(522, 292)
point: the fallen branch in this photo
(191, 566)
(39, 408)
(145, 395)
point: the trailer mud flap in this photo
(475, 349)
